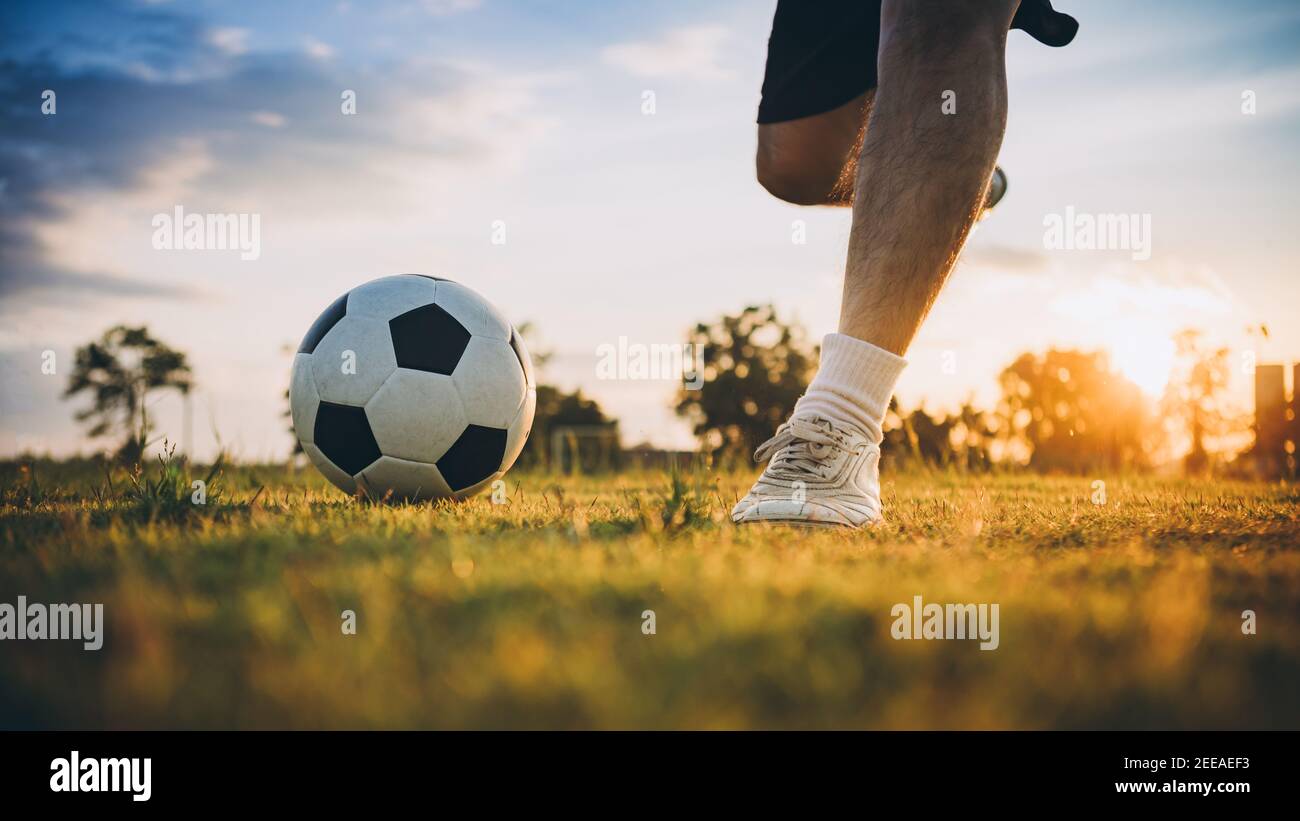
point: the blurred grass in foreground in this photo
(529, 614)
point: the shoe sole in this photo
(804, 523)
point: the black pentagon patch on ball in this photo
(343, 434)
(476, 455)
(323, 323)
(428, 339)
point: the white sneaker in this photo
(821, 473)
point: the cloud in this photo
(1162, 299)
(230, 40)
(24, 267)
(1005, 257)
(317, 49)
(78, 187)
(480, 114)
(270, 119)
(148, 42)
(691, 52)
(442, 7)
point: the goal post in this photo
(584, 448)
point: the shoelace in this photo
(799, 448)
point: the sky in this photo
(478, 120)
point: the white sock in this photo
(853, 384)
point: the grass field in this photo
(529, 614)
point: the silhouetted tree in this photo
(962, 440)
(929, 438)
(1197, 395)
(975, 432)
(755, 368)
(120, 370)
(1074, 413)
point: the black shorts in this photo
(822, 53)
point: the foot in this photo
(997, 189)
(820, 473)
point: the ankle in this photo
(854, 384)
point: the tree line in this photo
(1058, 410)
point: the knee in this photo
(792, 178)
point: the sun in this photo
(1145, 357)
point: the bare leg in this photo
(922, 175)
(918, 185)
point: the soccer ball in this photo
(412, 388)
